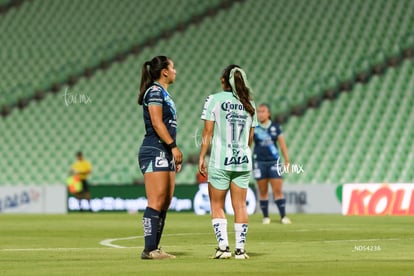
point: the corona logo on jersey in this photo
(378, 199)
(227, 106)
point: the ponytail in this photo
(146, 81)
(241, 89)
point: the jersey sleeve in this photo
(208, 110)
(278, 129)
(153, 96)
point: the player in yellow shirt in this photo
(82, 168)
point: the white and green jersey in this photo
(230, 144)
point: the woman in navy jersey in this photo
(159, 156)
(267, 163)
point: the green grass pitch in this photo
(74, 244)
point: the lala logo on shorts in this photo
(236, 159)
(161, 162)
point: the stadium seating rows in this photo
(363, 136)
(285, 46)
(46, 41)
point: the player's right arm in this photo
(205, 143)
(283, 148)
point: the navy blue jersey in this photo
(265, 138)
(157, 95)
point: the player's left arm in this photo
(283, 148)
(251, 136)
(255, 123)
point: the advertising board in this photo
(395, 199)
(33, 199)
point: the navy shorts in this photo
(152, 159)
(264, 170)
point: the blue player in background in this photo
(267, 164)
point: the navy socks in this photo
(161, 224)
(281, 205)
(150, 223)
(264, 205)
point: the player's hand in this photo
(178, 158)
(202, 167)
(287, 166)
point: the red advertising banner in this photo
(378, 199)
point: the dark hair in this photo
(243, 91)
(150, 72)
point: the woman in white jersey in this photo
(229, 120)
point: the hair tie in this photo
(232, 81)
(148, 68)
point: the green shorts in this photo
(221, 179)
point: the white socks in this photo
(240, 232)
(220, 230)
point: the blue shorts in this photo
(152, 159)
(265, 170)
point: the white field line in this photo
(108, 243)
(50, 249)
